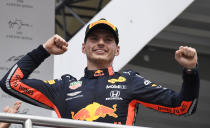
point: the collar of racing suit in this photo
(100, 72)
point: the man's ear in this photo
(83, 48)
(117, 52)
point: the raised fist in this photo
(186, 56)
(56, 45)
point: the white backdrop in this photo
(138, 21)
(24, 25)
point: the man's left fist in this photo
(186, 57)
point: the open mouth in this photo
(100, 51)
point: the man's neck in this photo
(91, 66)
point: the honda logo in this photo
(115, 93)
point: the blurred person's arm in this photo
(8, 109)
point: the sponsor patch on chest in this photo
(75, 85)
(119, 80)
(114, 95)
(114, 86)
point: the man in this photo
(8, 109)
(101, 95)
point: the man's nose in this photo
(100, 41)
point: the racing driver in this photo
(101, 95)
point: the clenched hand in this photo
(186, 57)
(56, 45)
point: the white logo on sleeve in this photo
(147, 82)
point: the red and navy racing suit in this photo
(101, 95)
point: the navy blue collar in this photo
(100, 72)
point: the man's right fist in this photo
(56, 45)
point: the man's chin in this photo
(100, 57)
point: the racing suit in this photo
(101, 95)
